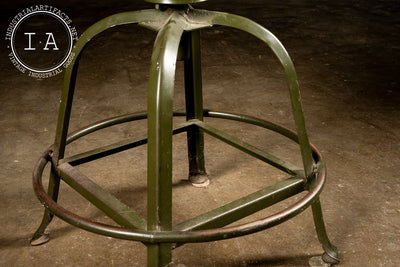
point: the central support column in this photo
(194, 107)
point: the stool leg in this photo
(194, 107)
(331, 255)
(277, 48)
(160, 114)
(41, 235)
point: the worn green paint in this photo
(178, 37)
(194, 105)
(244, 206)
(112, 207)
(159, 159)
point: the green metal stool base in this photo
(179, 39)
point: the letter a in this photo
(53, 42)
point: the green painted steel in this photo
(159, 149)
(112, 207)
(244, 24)
(244, 206)
(181, 236)
(194, 106)
(41, 236)
(68, 92)
(117, 147)
(71, 72)
(178, 38)
(329, 249)
(249, 149)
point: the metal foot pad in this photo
(44, 238)
(199, 180)
(330, 259)
(323, 261)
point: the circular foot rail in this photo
(313, 185)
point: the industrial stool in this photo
(178, 25)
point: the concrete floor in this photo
(347, 58)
